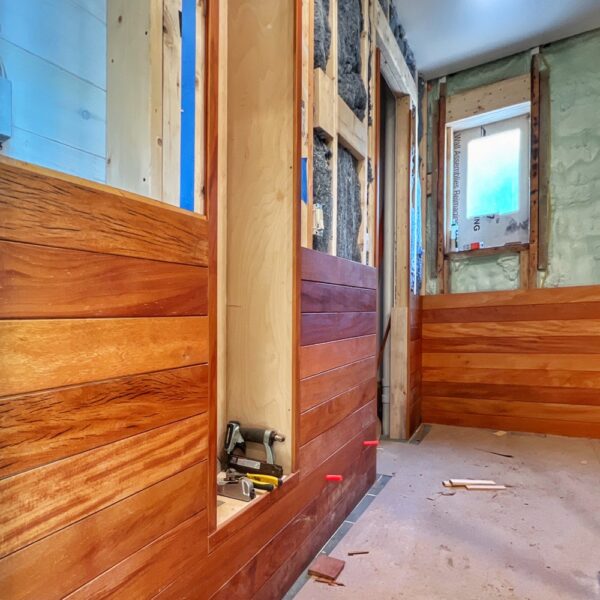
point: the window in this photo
(489, 180)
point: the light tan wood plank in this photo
(43, 354)
(44, 500)
(352, 132)
(324, 113)
(489, 97)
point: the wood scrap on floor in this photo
(357, 552)
(326, 567)
(474, 484)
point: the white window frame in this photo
(482, 119)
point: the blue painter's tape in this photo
(188, 104)
(304, 183)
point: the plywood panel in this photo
(322, 297)
(319, 388)
(50, 425)
(318, 266)
(326, 415)
(317, 358)
(40, 207)
(42, 282)
(327, 327)
(39, 354)
(260, 215)
(39, 502)
(89, 547)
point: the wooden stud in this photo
(534, 179)
(441, 190)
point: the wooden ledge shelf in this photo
(352, 132)
(324, 107)
(393, 66)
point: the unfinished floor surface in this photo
(537, 540)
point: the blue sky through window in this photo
(493, 174)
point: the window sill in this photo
(463, 254)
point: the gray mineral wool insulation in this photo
(350, 84)
(349, 209)
(322, 192)
(322, 34)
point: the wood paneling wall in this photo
(103, 389)
(521, 360)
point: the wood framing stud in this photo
(441, 186)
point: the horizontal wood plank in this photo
(563, 295)
(145, 573)
(91, 546)
(317, 358)
(516, 345)
(41, 501)
(324, 297)
(46, 426)
(527, 312)
(326, 415)
(529, 410)
(318, 266)
(320, 388)
(546, 426)
(42, 207)
(318, 328)
(42, 354)
(556, 328)
(510, 392)
(530, 378)
(315, 452)
(42, 282)
(550, 362)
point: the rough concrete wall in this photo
(350, 84)
(349, 213)
(574, 244)
(322, 34)
(574, 248)
(322, 190)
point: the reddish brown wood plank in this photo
(320, 388)
(42, 207)
(317, 358)
(43, 427)
(326, 415)
(510, 392)
(318, 266)
(41, 354)
(563, 295)
(41, 501)
(527, 410)
(324, 297)
(91, 546)
(42, 282)
(237, 550)
(532, 378)
(548, 426)
(313, 454)
(148, 571)
(515, 345)
(318, 328)
(564, 362)
(529, 312)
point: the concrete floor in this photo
(538, 540)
